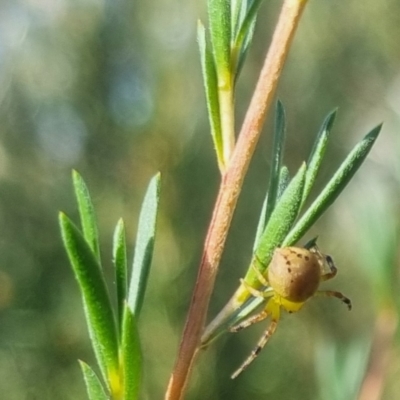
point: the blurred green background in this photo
(113, 89)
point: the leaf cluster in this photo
(113, 333)
(283, 220)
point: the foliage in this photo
(114, 335)
(113, 89)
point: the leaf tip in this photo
(62, 216)
(157, 181)
(75, 174)
(280, 109)
(376, 131)
(330, 119)
(157, 176)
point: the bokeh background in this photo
(113, 89)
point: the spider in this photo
(293, 277)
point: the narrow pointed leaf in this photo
(310, 243)
(94, 388)
(120, 264)
(283, 216)
(277, 154)
(261, 224)
(280, 223)
(247, 23)
(334, 187)
(97, 306)
(284, 179)
(131, 356)
(238, 12)
(317, 154)
(219, 14)
(86, 213)
(245, 33)
(144, 246)
(211, 89)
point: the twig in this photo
(385, 329)
(229, 192)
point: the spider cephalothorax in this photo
(293, 277)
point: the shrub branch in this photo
(229, 191)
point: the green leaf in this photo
(334, 187)
(261, 223)
(211, 89)
(144, 246)
(317, 154)
(277, 154)
(283, 183)
(86, 213)
(120, 264)
(311, 243)
(284, 179)
(131, 356)
(238, 12)
(97, 306)
(245, 34)
(219, 14)
(94, 388)
(281, 221)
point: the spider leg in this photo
(253, 318)
(255, 292)
(273, 309)
(262, 279)
(332, 269)
(249, 321)
(338, 295)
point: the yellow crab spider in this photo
(293, 277)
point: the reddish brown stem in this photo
(229, 192)
(385, 328)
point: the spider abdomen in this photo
(294, 273)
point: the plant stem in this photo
(385, 329)
(229, 192)
(227, 109)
